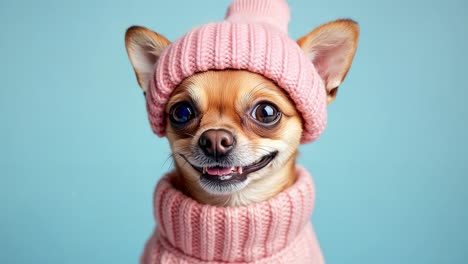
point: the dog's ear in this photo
(331, 49)
(144, 48)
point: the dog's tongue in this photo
(219, 170)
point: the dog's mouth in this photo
(232, 174)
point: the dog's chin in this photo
(226, 180)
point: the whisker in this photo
(170, 156)
(181, 133)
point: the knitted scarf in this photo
(274, 231)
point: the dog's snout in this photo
(216, 142)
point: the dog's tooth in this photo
(239, 170)
(225, 177)
(204, 170)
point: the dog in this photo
(234, 125)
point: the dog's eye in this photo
(266, 113)
(181, 113)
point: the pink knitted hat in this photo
(252, 37)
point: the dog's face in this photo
(234, 134)
(231, 129)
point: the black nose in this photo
(216, 143)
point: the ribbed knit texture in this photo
(252, 37)
(275, 231)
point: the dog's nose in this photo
(216, 142)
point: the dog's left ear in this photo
(144, 48)
(331, 49)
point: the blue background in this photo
(78, 161)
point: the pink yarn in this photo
(252, 37)
(275, 231)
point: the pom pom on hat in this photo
(272, 12)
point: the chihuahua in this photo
(235, 99)
(234, 134)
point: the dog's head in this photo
(230, 128)
(234, 133)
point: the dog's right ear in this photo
(331, 49)
(144, 48)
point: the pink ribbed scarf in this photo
(275, 231)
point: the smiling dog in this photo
(235, 99)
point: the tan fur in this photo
(225, 99)
(144, 48)
(339, 39)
